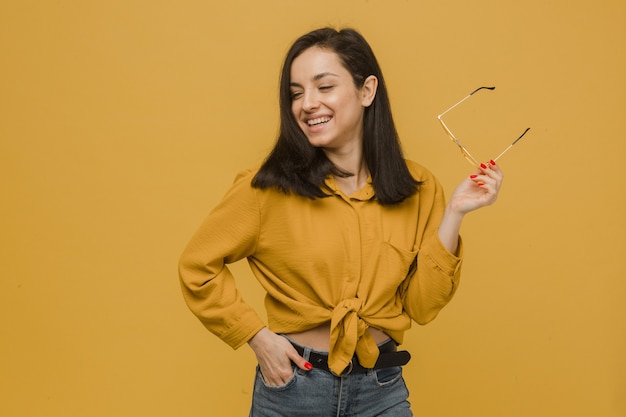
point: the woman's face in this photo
(325, 102)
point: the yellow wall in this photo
(122, 122)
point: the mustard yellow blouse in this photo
(343, 260)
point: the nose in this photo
(310, 101)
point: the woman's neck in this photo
(355, 182)
(354, 163)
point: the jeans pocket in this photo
(282, 387)
(388, 376)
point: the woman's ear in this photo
(368, 91)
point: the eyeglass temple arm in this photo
(465, 98)
(512, 144)
(480, 88)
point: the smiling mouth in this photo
(318, 121)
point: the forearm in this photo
(450, 228)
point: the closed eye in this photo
(295, 95)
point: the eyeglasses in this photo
(463, 149)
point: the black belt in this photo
(389, 357)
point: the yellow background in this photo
(123, 122)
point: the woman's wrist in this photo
(256, 339)
(450, 228)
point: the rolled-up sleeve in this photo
(437, 272)
(228, 234)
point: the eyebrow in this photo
(317, 77)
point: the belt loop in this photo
(307, 353)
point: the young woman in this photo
(350, 241)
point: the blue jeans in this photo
(318, 393)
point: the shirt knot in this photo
(349, 335)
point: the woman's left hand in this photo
(478, 190)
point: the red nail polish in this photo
(473, 176)
(308, 366)
(483, 166)
(492, 162)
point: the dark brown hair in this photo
(294, 165)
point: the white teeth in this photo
(318, 121)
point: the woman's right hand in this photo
(275, 356)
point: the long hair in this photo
(296, 166)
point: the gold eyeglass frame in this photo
(468, 156)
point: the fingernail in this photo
(483, 166)
(473, 176)
(308, 366)
(492, 162)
